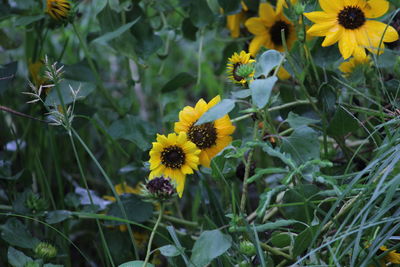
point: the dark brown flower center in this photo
(275, 32)
(234, 72)
(173, 157)
(204, 135)
(351, 17)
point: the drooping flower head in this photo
(349, 66)
(209, 137)
(58, 9)
(347, 22)
(267, 29)
(173, 157)
(234, 21)
(235, 62)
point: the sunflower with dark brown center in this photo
(173, 157)
(210, 137)
(348, 23)
(268, 28)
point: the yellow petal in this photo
(186, 169)
(333, 35)
(204, 159)
(180, 185)
(346, 44)
(320, 16)
(320, 29)
(267, 13)
(331, 6)
(233, 24)
(182, 138)
(256, 26)
(214, 101)
(257, 42)
(283, 74)
(375, 8)
(379, 28)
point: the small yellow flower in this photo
(58, 9)
(280, 4)
(348, 67)
(267, 30)
(233, 22)
(210, 137)
(346, 22)
(173, 156)
(392, 256)
(234, 62)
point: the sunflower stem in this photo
(247, 172)
(200, 53)
(153, 232)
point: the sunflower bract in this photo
(58, 9)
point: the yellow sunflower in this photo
(233, 21)
(58, 9)
(267, 29)
(345, 21)
(210, 137)
(234, 62)
(348, 67)
(280, 4)
(173, 156)
(392, 256)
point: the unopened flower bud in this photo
(160, 188)
(45, 250)
(248, 248)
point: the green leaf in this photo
(7, 73)
(136, 209)
(133, 129)
(327, 98)
(182, 79)
(189, 30)
(114, 34)
(281, 240)
(26, 20)
(241, 93)
(85, 89)
(135, 264)
(267, 62)
(200, 13)
(303, 240)
(17, 258)
(296, 121)
(17, 234)
(342, 123)
(210, 245)
(300, 195)
(303, 145)
(262, 172)
(274, 225)
(265, 199)
(230, 6)
(169, 251)
(57, 216)
(261, 90)
(217, 111)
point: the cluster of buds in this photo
(35, 203)
(159, 188)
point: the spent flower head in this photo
(159, 188)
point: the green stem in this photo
(146, 260)
(180, 221)
(110, 185)
(106, 248)
(103, 90)
(200, 52)
(247, 172)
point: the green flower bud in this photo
(245, 71)
(45, 250)
(247, 248)
(299, 8)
